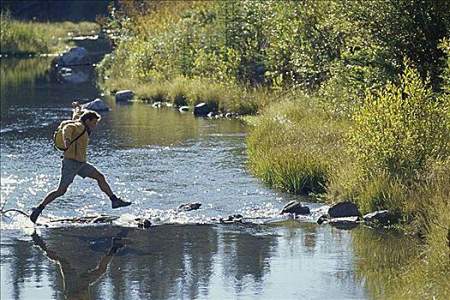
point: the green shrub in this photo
(397, 132)
(445, 46)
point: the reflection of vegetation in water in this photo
(145, 125)
(400, 267)
(382, 258)
(247, 254)
(14, 72)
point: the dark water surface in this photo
(159, 159)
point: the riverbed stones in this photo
(189, 206)
(96, 105)
(232, 219)
(344, 209)
(144, 223)
(381, 218)
(296, 208)
(124, 96)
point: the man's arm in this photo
(67, 133)
(77, 110)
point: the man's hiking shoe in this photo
(35, 212)
(117, 202)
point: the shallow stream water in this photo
(159, 159)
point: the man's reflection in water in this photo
(76, 285)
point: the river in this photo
(159, 159)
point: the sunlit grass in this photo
(25, 37)
(294, 146)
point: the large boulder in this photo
(382, 218)
(124, 96)
(295, 207)
(97, 105)
(344, 209)
(74, 56)
(201, 110)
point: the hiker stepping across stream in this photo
(73, 137)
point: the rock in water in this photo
(144, 223)
(345, 223)
(344, 209)
(237, 218)
(381, 217)
(189, 206)
(295, 207)
(201, 110)
(183, 109)
(124, 96)
(97, 105)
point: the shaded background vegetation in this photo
(56, 11)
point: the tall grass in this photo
(23, 37)
(294, 146)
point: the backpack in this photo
(58, 142)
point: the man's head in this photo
(90, 119)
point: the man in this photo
(76, 138)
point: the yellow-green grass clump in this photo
(295, 146)
(30, 38)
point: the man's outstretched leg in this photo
(116, 202)
(69, 169)
(48, 199)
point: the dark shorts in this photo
(70, 168)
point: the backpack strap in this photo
(75, 139)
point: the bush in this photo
(445, 46)
(397, 132)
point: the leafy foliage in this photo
(394, 137)
(401, 127)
